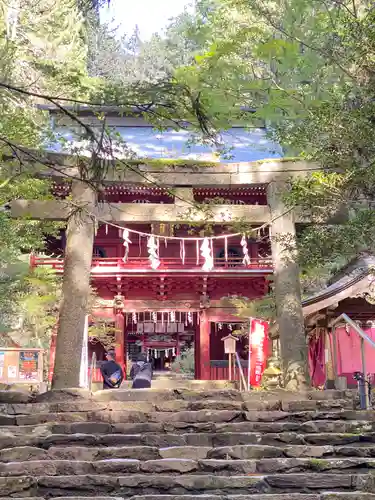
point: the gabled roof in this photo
(350, 280)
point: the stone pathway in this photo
(182, 444)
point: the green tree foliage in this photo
(28, 305)
(129, 59)
(185, 363)
(44, 60)
(307, 68)
(42, 52)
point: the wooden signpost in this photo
(230, 349)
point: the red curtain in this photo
(317, 358)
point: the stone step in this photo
(310, 427)
(189, 416)
(246, 452)
(185, 466)
(238, 452)
(217, 441)
(209, 439)
(154, 395)
(142, 406)
(291, 496)
(162, 382)
(157, 395)
(129, 417)
(92, 427)
(176, 405)
(148, 484)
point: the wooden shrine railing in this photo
(219, 370)
(141, 263)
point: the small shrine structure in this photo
(336, 353)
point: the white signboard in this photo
(12, 372)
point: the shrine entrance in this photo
(161, 358)
(161, 335)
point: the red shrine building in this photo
(177, 306)
(162, 280)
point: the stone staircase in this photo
(186, 444)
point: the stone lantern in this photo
(272, 375)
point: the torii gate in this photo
(274, 174)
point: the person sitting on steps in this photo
(141, 373)
(111, 372)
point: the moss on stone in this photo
(317, 463)
(280, 160)
(171, 162)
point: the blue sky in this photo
(150, 15)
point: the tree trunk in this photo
(76, 287)
(287, 287)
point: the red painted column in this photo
(120, 339)
(125, 349)
(196, 353)
(204, 346)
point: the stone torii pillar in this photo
(287, 289)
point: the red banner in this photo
(258, 348)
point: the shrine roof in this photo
(351, 280)
(237, 144)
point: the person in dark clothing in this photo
(141, 373)
(111, 372)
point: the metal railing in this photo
(243, 384)
(92, 370)
(364, 338)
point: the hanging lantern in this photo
(134, 318)
(125, 237)
(153, 256)
(206, 253)
(154, 317)
(182, 251)
(172, 316)
(246, 259)
(220, 326)
(230, 327)
(190, 318)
